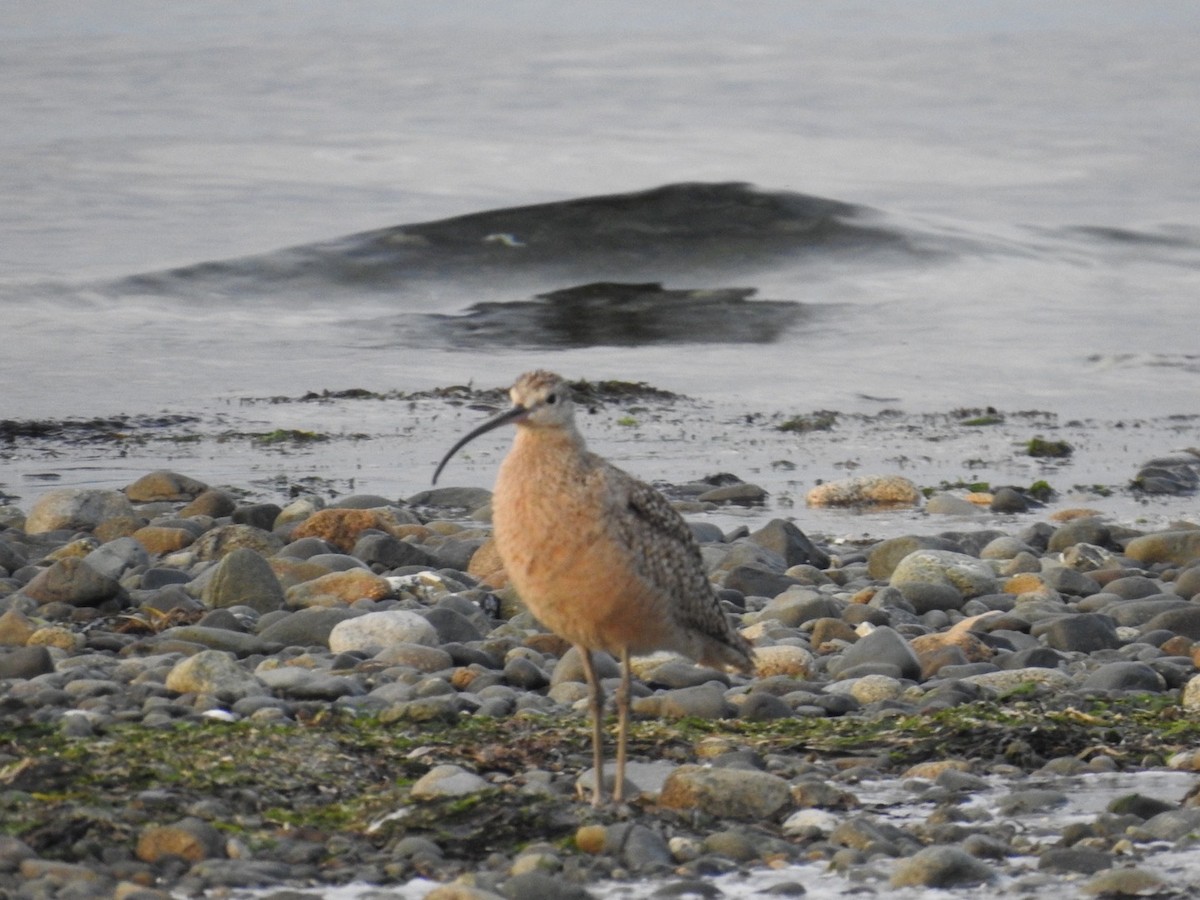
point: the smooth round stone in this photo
(373, 632)
(1183, 621)
(303, 628)
(1083, 633)
(570, 667)
(452, 626)
(213, 672)
(1006, 500)
(347, 587)
(117, 557)
(793, 545)
(25, 662)
(866, 490)
(637, 846)
(1187, 583)
(941, 866)
(882, 647)
(74, 582)
(75, 509)
(783, 659)
(1004, 547)
(258, 515)
(307, 684)
(1069, 581)
(212, 504)
(743, 794)
(164, 485)
(447, 781)
(1123, 882)
(1079, 531)
(243, 578)
(1175, 547)
(949, 505)
(220, 541)
(1007, 680)
(1124, 676)
(415, 656)
(1190, 698)
(971, 577)
(705, 701)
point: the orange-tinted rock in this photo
(160, 540)
(343, 587)
(211, 503)
(164, 486)
(342, 527)
(866, 490)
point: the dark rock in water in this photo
(1170, 475)
(619, 314)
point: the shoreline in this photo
(207, 689)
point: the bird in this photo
(600, 558)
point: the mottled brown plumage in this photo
(600, 558)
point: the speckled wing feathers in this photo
(665, 555)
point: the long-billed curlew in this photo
(600, 558)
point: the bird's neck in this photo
(536, 448)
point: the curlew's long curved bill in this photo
(509, 415)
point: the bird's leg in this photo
(623, 697)
(596, 705)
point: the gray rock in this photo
(754, 581)
(1187, 584)
(1070, 581)
(74, 582)
(117, 557)
(213, 672)
(75, 509)
(305, 627)
(886, 555)
(1079, 531)
(637, 846)
(25, 662)
(784, 538)
(925, 597)
(1029, 801)
(1182, 620)
(542, 886)
(452, 626)
(971, 577)
(373, 632)
(1124, 676)
(243, 578)
(1175, 547)
(235, 642)
(220, 541)
(1172, 825)
(1009, 500)
(941, 866)
(570, 667)
(448, 781)
(391, 552)
(743, 794)
(882, 646)
(1083, 633)
(308, 684)
(1133, 587)
(257, 515)
(706, 701)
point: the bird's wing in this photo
(666, 554)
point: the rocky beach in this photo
(289, 688)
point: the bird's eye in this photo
(552, 399)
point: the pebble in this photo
(172, 604)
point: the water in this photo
(1036, 168)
